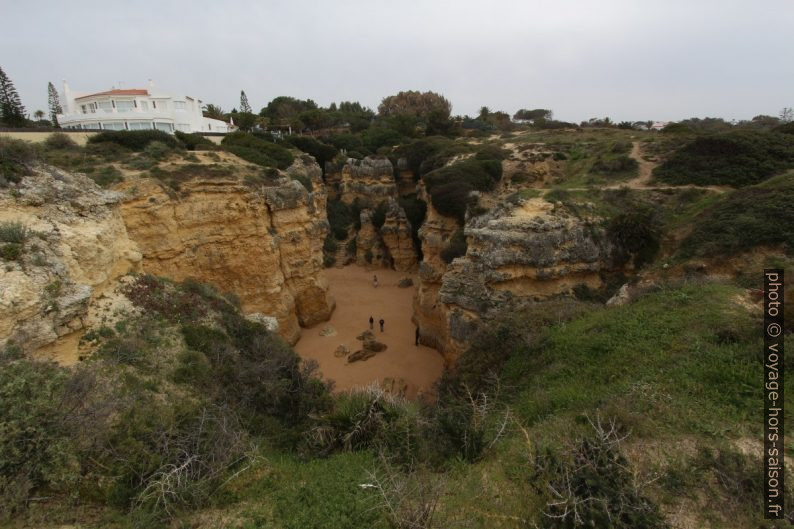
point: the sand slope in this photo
(418, 367)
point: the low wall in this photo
(80, 137)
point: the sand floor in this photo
(403, 365)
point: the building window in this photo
(140, 125)
(183, 127)
(105, 105)
(83, 107)
(179, 105)
(113, 125)
(144, 106)
(90, 126)
(165, 127)
(125, 106)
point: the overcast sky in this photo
(626, 59)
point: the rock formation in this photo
(76, 247)
(263, 243)
(259, 239)
(530, 251)
(370, 180)
(396, 234)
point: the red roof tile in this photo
(119, 92)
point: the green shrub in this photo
(134, 140)
(157, 150)
(634, 234)
(451, 199)
(106, 176)
(14, 232)
(615, 164)
(747, 218)
(340, 217)
(481, 175)
(257, 150)
(305, 181)
(456, 247)
(738, 159)
(59, 140)
(322, 152)
(35, 446)
(16, 159)
(10, 251)
(194, 141)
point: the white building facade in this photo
(136, 109)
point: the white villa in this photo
(135, 109)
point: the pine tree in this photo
(244, 106)
(55, 104)
(11, 110)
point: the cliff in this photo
(262, 242)
(370, 180)
(260, 239)
(515, 254)
(75, 246)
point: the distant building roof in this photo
(119, 92)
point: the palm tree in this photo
(39, 114)
(214, 112)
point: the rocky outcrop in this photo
(516, 253)
(370, 180)
(369, 245)
(262, 242)
(76, 247)
(396, 234)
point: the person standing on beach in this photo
(371, 322)
(375, 281)
(381, 324)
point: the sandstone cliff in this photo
(370, 180)
(262, 242)
(76, 247)
(516, 253)
(260, 239)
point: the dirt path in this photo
(402, 365)
(643, 180)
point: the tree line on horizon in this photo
(408, 113)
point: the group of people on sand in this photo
(375, 284)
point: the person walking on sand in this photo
(375, 281)
(381, 324)
(371, 322)
(417, 336)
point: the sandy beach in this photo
(402, 364)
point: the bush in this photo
(736, 159)
(322, 152)
(634, 235)
(10, 251)
(481, 175)
(195, 142)
(16, 159)
(257, 150)
(615, 164)
(59, 140)
(157, 150)
(106, 176)
(456, 247)
(14, 232)
(340, 217)
(134, 140)
(747, 218)
(450, 199)
(35, 449)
